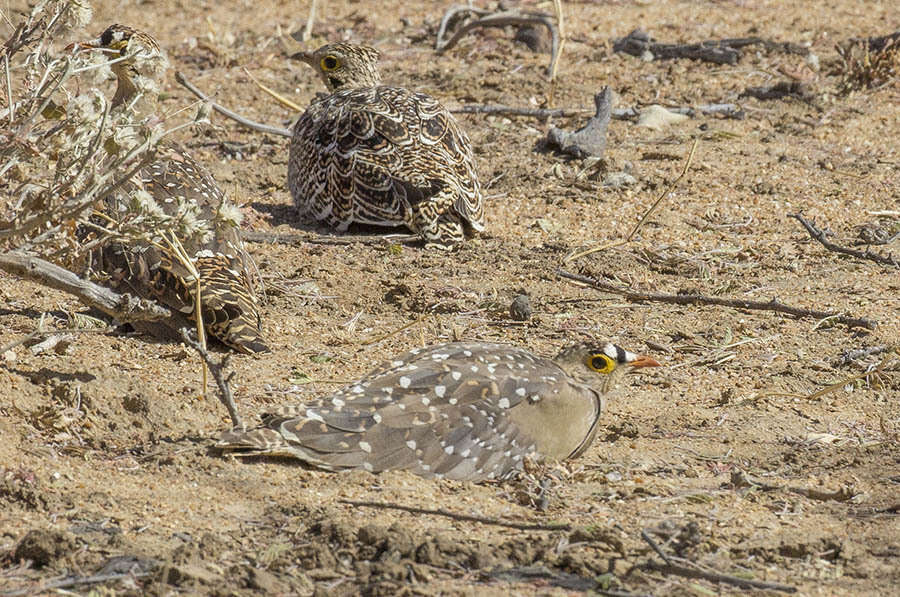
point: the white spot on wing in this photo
(439, 391)
(404, 382)
(365, 447)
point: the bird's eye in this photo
(600, 363)
(329, 63)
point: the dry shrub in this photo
(869, 63)
(65, 156)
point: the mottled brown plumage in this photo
(465, 410)
(208, 221)
(376, 154)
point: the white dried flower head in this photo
(229, 213)
(87, 107)
(143, 203)
(77, 14)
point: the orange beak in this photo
(644, 361)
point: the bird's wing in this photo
(440, 411)
(378, 151)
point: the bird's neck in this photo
(125, 91)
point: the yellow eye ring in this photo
(329, 63)
(600, 363)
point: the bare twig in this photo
(722, 51)
(218, 373)
(649, 540)
(73, 582)
(650, 210)
(819, 235)
(522, 526)
(701, 299)
(744, 583)
(727, 110)
(671, 567)
(561, 24)
(274, 94)
(123, 307)
(325, 239)
(250, 124)
(500, 19)
(516, 111)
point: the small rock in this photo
(43, 546)
(657, 118)
(619, 180)
(10, 356)
(520, 308)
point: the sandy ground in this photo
(726, 455)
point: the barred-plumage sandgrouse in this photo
(208, 221)
(467, 411)
(376, 154)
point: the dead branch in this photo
(325, 239)
(744, 583)
(250, 124)
(517, 111)
(74, 581)
(499, 19)
(722, 51)
(463, 517)
(701, 299)
(590, 139)
(123, 307)
(781, 90)
(819, 235)
(727, 110)
(673, 565)
(218, 372)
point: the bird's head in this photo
(135, 58)
(600, 364)
(344, 66)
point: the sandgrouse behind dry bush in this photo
(467, 411)
(375, 154)
(178, 187)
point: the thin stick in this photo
(744, 583)
(837, 386)
(123, 307)
(515, 111)
(727, 110)
(277, 96)
(819, 235)
(75, 581)
(310, 19)
(250, 124)
(671, 567)
(500, 19)
(218, 373)
(389, 334)
(183, 258)
(464, 517)
(649, 540)
(701, 299)
(666, 191)
(671, 187)
(324, 239)
(560, 23)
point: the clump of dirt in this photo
(43, 547)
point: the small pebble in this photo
(520, 308)
(657, 118)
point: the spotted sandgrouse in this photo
(376, 154)
(181, 188)
(467, 411)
